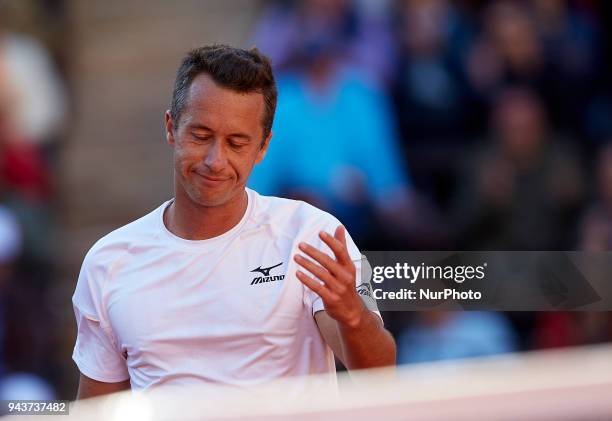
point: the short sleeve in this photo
(95, 353)
(362, 285)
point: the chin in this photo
(211, 198)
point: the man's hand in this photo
(356, 335)
(337, 289)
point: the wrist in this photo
(356, 321)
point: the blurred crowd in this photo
(33, 112)
(449, 125)
(420, 124)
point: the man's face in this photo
(217, 142)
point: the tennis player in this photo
(220, 284)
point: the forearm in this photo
(367, 344)
(90, 388)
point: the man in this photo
(213, 286)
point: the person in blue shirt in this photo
(335, 142)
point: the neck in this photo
(192, 221)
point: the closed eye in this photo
(202, 138)
(238, 145)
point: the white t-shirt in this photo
(162, 310)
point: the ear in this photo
(263, 148)
(169, 128)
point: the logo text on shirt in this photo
(266, 275)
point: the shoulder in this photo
(296, 221)
(104, 256)
(291, 217)
(125, 239)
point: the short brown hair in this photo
(237, 69)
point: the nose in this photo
(216, 158)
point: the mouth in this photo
(212, 180)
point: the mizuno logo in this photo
(266, 271)
(365, 289)
(266, 275)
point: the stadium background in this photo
(491, 119)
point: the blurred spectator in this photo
(33, 107)
(560, 329)
(598, 124)
(335, 144)
(440, 335)
(10, 251)
(596, 226)
(362, 28)
(22, 167)
(335, 149)
(508, 50)
(430, 91)
(595, 235)
(25, 180)
(39, 102)
(18, 386)
(521, 190)
(556, 329)
(570, 47)
(27, 328)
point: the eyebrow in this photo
(200, 126)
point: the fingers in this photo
(316, 287)
(320, 272)
(337, 244)
(338, 274)
(322, 258)
(339, 234)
